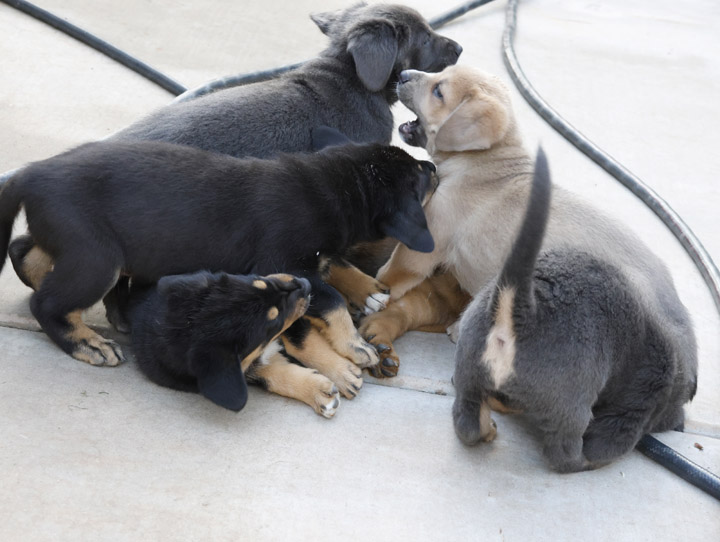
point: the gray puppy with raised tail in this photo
(564, 337)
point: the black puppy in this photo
(564, 338)
(350, 87)
(202, 332)
(150, 209)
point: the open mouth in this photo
(412, 133)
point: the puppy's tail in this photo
(517, 273)
(10, 200)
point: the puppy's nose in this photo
(405, 76)
(456, 47)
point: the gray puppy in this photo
(564, 337)
(350, 87)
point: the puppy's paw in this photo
(346, 376)
(389, 362)
(362, 353)
(375, 303)
(96, 350)
(453, 331)
(326, 397)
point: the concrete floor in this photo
(104, 454)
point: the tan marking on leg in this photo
(353, 284)
(487, 426)
(273, 313)
(500, 407)
(296, 382)
(337, 327)
(89, 346)
(260, 284)
(252, 356)
(36, 264)
(315, 352)
(282, 276)
(499, 355)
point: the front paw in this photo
(376, 302)
(389, 361)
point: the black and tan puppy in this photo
(563, 336)
(212, 333)
(151, 209)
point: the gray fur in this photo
(594, 367)
(349, 86)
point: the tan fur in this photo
(338, 329)
(316, 353)
(487, 426)
(296, 382)
(89, 346)
(273, 313)
(353, 284)
(499, 354)
(260, 284)
(432, 306)
(485, 177)
(36, 264)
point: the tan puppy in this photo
(466, 123)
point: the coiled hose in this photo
(648, 445)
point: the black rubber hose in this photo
(664, 455)
(649, 197)
(680, 465)
(264, 75)
(102, 46)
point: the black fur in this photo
(350, 86)
(592, 368)
(151, 209)
(191, 332)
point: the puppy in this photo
(465, 119)
(566, 338)
(151, 209)
(208, 332)
(350, 87)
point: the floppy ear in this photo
(474, 125)
(219, 376)
(409, 226)
(373, 46)
(324, 136)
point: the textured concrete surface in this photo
(102, 453)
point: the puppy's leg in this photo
(472, 421)
(363, 293)
(407, 268)
(278, 375)
(305, 343)
(329, 314)
(73, 285)
(563, 438)
(431, 306)
(31, 263)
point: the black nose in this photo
(457, 48)
(404, 76)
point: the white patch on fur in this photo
(376, 302)
(270, 350)
(499, 355)
(328, 409)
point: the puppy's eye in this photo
(436, 92)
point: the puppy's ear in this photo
(219, 376)
(409, 226)
(476, 124)
(327, 20)
(374, 48)
(324, 136)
